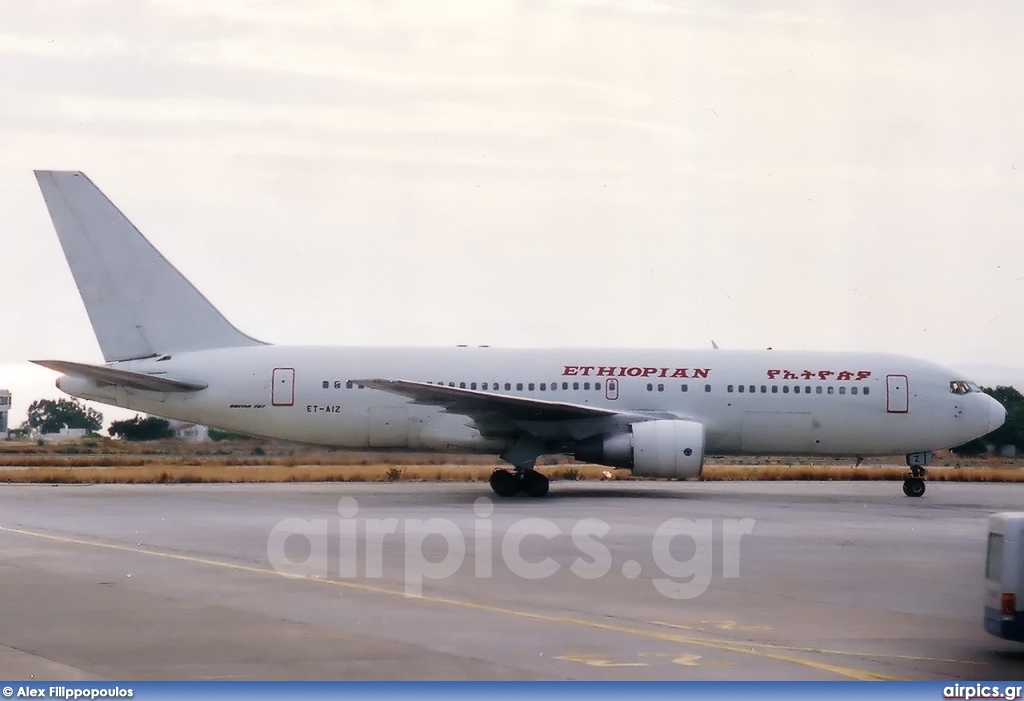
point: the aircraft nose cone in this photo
(996, 414)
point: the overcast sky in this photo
(640, 174)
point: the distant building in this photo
(5, 409)
(65, 434)
(186, 431)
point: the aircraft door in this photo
(897, 394)
(611, 389)
(282, 388)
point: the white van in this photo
(1004, 576)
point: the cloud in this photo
(431, 173)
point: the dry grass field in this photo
(102, 460)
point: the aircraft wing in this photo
(124, 378)
(477, 404)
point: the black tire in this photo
(535, 484)
(504, 483)
(914, 487)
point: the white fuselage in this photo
(749, 402)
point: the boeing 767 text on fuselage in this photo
(169, 352)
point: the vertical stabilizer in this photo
(138, 303)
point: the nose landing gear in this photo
(913, 484)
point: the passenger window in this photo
(764, 389)
(753, 389)
(519, 386)
(775, 389)
(707, 388)
(530, 386)
(785, 389)
(817, 390)
(729, 388)
(831, 390)
(326, 384)
(586, 385)
(853, 390)
(741, 388)
(866, 389)
(348, 385)
(650, 387)
(575, 385)
(842, 390)
(337, 384)
(508, 386)
(685, 387)
(484, 386)
(565, 385)
(472, 385)
(597, 385)
(661, 387)
(543, 386)
(462, 385)
(994, 557)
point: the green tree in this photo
(217, 435)
(51, 415)
(150, 428)
(1010, 433)
(23, 431)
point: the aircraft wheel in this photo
(913, 487)
(504, 483)
(535, 484)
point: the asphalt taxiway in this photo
(609, 580)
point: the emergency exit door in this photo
(897, 394)
(611, 389)
(282, 389)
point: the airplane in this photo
(169, 352)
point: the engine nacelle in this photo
(664, 448)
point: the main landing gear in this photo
(508, 483)
(522, 454)
(913, 484)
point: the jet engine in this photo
(663, 448)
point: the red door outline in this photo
(897, 394)
(611, 389)
(282, 388)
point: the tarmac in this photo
(600, 581)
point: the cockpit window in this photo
(963, 387)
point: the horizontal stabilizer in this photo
(121, 378)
